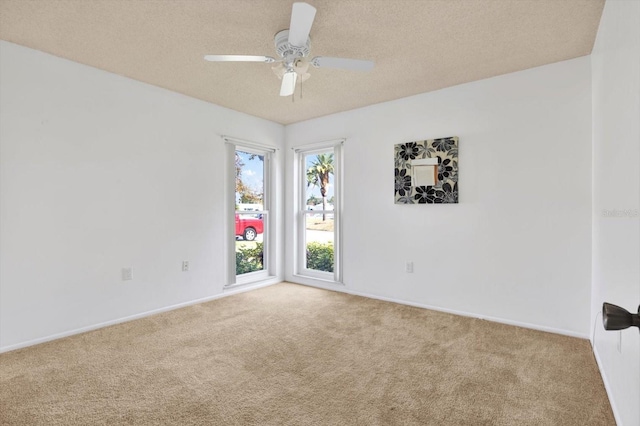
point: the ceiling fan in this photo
(293, 47)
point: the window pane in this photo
(319, 240)
(320, 181)
(249, 242)
(250, 227)
(249, 181)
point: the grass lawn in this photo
(317, 224)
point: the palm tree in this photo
(318, 175)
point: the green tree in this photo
(313, 200)
(240, 187)
(250, 196)
(318, 175)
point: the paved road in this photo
(319, 236)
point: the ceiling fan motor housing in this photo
(285, 49)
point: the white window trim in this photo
(300, 214)
(269, 261)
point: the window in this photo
(251, 239)
(318, 241)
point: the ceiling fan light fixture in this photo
(288, 83)
(304, 77)
(279, 70)
(300, 69)
(300, 66)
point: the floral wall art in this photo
(426, 172)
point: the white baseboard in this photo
(607, 387)
(226, 292)
(341, 288)
(313, 283)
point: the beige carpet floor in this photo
(295, 355)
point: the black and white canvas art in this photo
(426, 172)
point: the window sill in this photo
(315, 281)
(258, 281)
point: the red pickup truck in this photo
(248, 227)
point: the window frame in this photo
(268, 271)
(335, 277)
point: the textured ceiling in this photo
(417, 45)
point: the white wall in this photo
(99, 172)
(518, 246)
(616, 187)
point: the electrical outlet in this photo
(185, 265)
(127, 274)
(408, 267)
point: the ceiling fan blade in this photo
(288, 83)
(341, 63)
(302, 15)
(238, 58)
